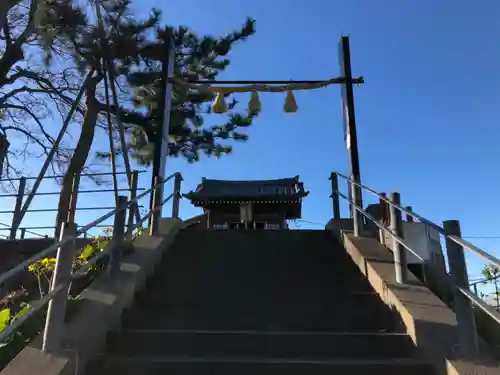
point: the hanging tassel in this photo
(219, 105)
(290, 103)
(254, 103)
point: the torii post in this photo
(346, 80)
(350, 133)
(161, 141)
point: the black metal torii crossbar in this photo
(339, 80)
(347, 93)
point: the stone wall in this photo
(14, 252)
(197, 222)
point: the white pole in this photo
(166, 120)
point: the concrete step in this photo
(288, 302)
(268, 234)
(247, 297)
(220, 276)
(263, 345)
(277, 240)
(223, 366)
(182, 295)
(288, 280)
(270, 302)
(281, 240)
(304, 264)
(212, 273)
(217, 278)
(260, 256)
(263, 318)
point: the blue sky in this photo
(427, 116)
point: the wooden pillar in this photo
(209, 219)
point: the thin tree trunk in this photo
(5, 7)
(496, 295)
(80, 155)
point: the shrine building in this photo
(260, 204)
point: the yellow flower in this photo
(48, 263)
(33, 267)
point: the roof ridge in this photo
(278, 189)
(254, 182)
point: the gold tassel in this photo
(219, 105)
(290, 103)
(254, 103)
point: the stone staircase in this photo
(268, 302)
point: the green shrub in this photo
(43, 270)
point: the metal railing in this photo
(391, 223)
(63, 273)
(7, 227)
(23, 200)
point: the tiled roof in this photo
(285, 188)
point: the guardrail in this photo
(24, 231)
(391, 223)
(20, 209)
(63, 274)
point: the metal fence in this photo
(23, 200)
(463, 298)
(56, 299)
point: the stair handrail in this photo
(457, 239)
(63, 274)
(393, 234)
(455, 245)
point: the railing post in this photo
(475, 289)
(349, 195)
(62, 276)
(23, 233)
(118, 236)
(356, 215)
(468, 342)
(398, 250)
(384, 216)
(335, 196)
(17, 208)
(177, 196)
(409, 218)
(154, 219)
(133, 206)
(73, 198)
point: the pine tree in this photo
(136, 49)
(492, 275)
(197, 58)
(119, 41)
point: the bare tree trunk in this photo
(80, 155)
(5, 6)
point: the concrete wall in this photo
(429, 322)
(100, 307)
(197, 222)
(14, 252)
